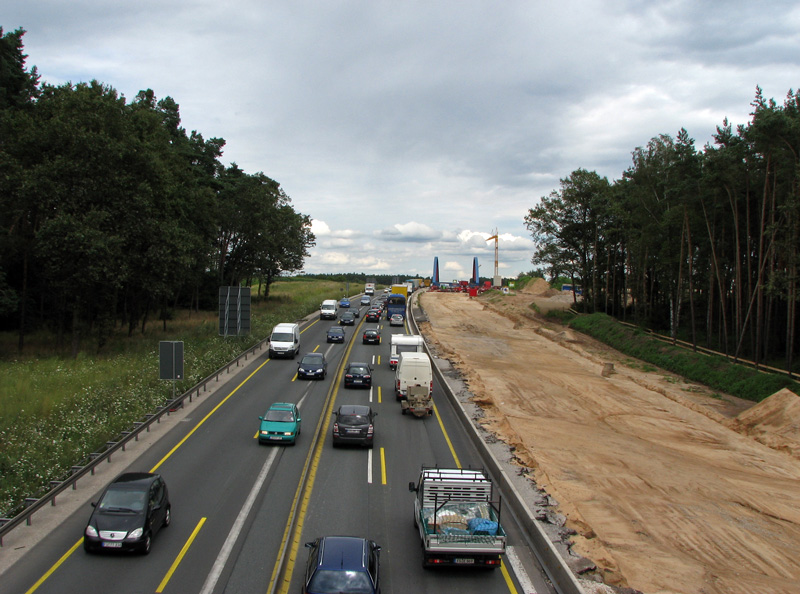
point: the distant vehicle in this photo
(312, 366)
(357, 312)
(335, 334)
(284, 341)
(404, 343)
(342, 565)
(386, 289)
(373, 316)
(281, 423)
(371, 336)
(365, 300)
(396, 320)
(354, 423)
(348, 318)
(327, 311)
(344, 302)
(357, 375)
(395, 304)
(132, 509)
(369, 288)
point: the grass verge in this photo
(55, 411)
(713, 371)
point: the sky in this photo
(409, 130)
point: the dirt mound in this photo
(537, 286)
(775, 422)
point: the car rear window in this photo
(353, 420)
(328, 580)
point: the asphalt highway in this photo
(233, 500)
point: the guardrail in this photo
(94, 459)
(551, 561)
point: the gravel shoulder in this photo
(661, 485)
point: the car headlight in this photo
(289, 433)
(265, 433)
(136, 533)
(91, 531)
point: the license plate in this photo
(464, 561)
(356, 381)
(275, 437)
(354, 431)
(112, 545)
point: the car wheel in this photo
(168, 517)
(146, 546)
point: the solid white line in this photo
(522, 577)
(369, 466)
(227, 547)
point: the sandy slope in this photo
(668, 491)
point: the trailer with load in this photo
(457, 518)
(417, 402)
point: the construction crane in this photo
(496, 277)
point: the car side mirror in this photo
(412, 487)
(308, 545)
(374, 415)
(260, 418)
(94, 504)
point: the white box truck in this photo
(413, 369)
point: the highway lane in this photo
(219, 469)
(209, 476)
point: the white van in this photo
(404, 343)
(413, 369)
(284, 341)
(327, 311)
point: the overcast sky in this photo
(408, 130)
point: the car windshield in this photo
(282, 337)
(338, 580)
(335, 331)
(284, 416)
(124, 500)
(358, 369)
(353, 420)
(309, 360)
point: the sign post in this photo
(170, 361)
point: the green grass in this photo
(56, 410)
(713, 371)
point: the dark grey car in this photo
(354, 423)
(132, 509)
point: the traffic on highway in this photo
(254, 500)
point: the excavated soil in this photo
(669, 488)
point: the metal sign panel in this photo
(170, 360)
(234, 311)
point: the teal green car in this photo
(280, 424)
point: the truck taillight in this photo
(369, 430)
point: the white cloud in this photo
(413, 130)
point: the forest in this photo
(112, 214)
(700, 243)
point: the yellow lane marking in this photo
(379, 394)
(55, 566)
(180, 556)
(507, 577)
(446, 437)
(304, 489)
(213, 410)
(383, 467)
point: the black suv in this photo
(129, 513)
(342, 565)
